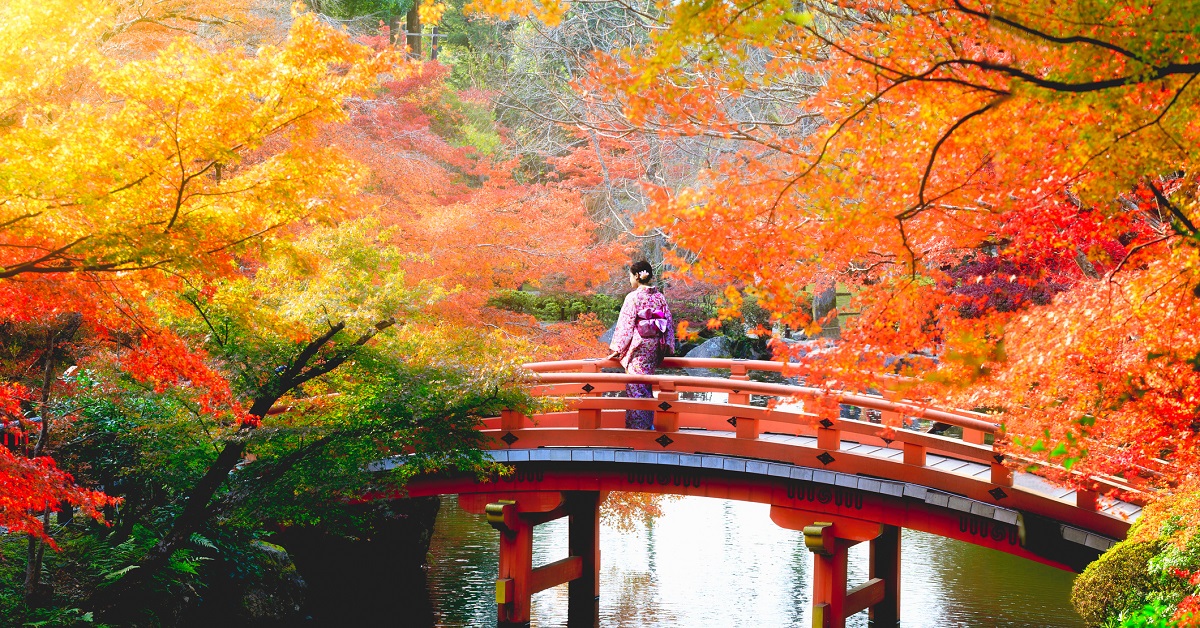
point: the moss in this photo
(1117, 582)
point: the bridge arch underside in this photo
(799, 496)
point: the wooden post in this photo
(828, 436)
(665, 419)
(583, 593)
(746, 427)
(891, 417)
(829, 576)
(511, 420)
(975, 437)
(885, 566)
(1001, 475)
(914, 454)
(829, 439)
(589, 419)
(1087, 500)
(515, 581)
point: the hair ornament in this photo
(645, 274)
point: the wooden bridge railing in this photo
(582, 385)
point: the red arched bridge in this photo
(840, 480)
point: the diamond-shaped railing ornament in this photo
(826, 423)
(664, 440)
(732, 421)
(509, 438)
(735, 391)
(999, 458)
(665, 406)
(998, 493)
(825, 458)
(588, 388)
(887, 441)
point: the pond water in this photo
(711, 562)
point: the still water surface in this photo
(711, 562)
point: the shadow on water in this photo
(709, 562)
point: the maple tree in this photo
(885, 144)
(265, 301)
(121, 177)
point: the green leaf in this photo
(798, 18)
(116, 575)
(1059, 450)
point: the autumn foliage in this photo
(1008, 189)
(245, 230)
(221, 220)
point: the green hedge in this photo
(1117, 583)
(558, 307)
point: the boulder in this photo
(606, 337)
(715, 347)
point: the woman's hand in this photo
(612, 356)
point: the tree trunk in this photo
(413, 27)
(36, 550)
(197, 507)
(33, 564)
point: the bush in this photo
(1117, 583)
(558, 307)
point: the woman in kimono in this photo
(644, 334)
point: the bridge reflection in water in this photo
(842, 482)
(755, 575)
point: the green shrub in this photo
(1116, 583)
(558, 307)
(1153, 615)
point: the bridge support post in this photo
(829, 537)
(515, 581)
(515, 515)
(829, 575)
(885, 566)
(583, 593)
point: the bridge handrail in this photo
(973, 421)
(563, 366)
(585, 372)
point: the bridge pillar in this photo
(829, 538)
(829, 575)
(885, 566)
(583, 593)
(515, 515)
(514, 584)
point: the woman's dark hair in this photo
(643, 271)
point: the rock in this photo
(606, 337)
(277, 595)
(715, 347)
(823, 304)
(802, 348)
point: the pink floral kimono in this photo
(644, 333)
